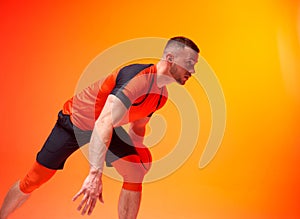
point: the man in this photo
(95, 116)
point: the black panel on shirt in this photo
(124, 76)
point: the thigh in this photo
(130, 168)
(120, 146)
(60, 144)
(58, 147)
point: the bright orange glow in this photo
(254, 49)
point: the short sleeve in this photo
(130, 85)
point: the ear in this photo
(170, 58)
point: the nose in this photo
(192, 71)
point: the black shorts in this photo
(66, 138)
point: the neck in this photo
(164, 76)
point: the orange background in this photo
(254, 49)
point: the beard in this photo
(176, 76)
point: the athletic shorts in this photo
(66, 138)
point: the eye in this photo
(190, 63)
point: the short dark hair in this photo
(184, 42)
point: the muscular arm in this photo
(113, 114)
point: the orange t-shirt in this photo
(135, 85)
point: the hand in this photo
(91, 191)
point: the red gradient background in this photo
(254, 49)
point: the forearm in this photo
(99, 143)
(112, 114)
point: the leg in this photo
(13, 199)
(133, 172)
(60, 144)
(132, 163)
(129, 204)
(21, 190)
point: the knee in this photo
(132, 170)
(37, 176)
(134, 178)
(137, 187)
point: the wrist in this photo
(95, 171)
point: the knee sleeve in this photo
(137, 187)
(36, 176)
(132, 169)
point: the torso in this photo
(130, 84)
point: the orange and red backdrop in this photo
(254, 49)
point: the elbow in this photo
(107, 123)
(103, 122)
(103, 128)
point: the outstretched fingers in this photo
(83, 203)
(92, 206)
(78, 194)
(91, 191)
(87, 203)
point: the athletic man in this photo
(95, 116)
